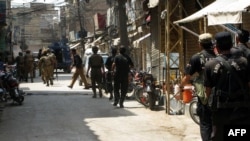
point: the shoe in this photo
(94, 96)
(121, 106)
(70, 87)
(115, 104)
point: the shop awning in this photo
(116, 41)
(153, 3)
(137, 42)
(74, 45)
(220, 12)
(132, 34)
(98, 40)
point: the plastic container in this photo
(187, 94)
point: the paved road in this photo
(58, 113)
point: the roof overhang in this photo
(220, 12)
(138, 41)
(74, 45)
(153, 3)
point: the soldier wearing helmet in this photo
(96, 65)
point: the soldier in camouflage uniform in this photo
(43, 53)
(20, 66)
(45, 64)
(29, 66)
(53, 60)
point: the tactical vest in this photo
(199, 80)
(230, 91)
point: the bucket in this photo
(187, 94)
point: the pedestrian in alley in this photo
(109, 77)
(20, 66)
(196, 65)
(96, 65)
(38, 57)
(121, 68)
(46, 66)
(77, 63)
(29, 66)
(227, 82)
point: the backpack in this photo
(198, 82)
(220, 99)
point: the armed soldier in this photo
(46, 65)
(29, 66)
(53, 60)
(227, 82)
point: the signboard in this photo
(174, 60)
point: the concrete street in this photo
(57, 113)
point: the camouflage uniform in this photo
(45, 65)
(53, 60)
(29, 65)
(20, 66)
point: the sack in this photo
(200, 90)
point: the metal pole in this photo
(123, 24)
(81, 26)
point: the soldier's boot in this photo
(47, 83)
(51, 82)
(100, 93)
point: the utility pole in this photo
(81, 26)
(123, 24)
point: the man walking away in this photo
(121, 68)
(77, 63)
(20, 66)
(109, 77)
(196, 65)
(97, 68)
